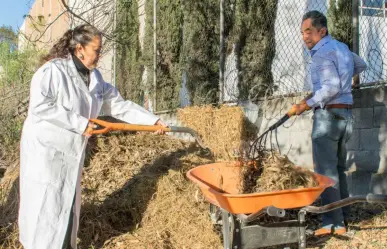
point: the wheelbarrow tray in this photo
(220, 182)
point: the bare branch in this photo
(47, 26)
(81, 18)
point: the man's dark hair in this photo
(318, 19)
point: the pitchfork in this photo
(258, 147)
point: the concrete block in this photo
(301, 138)
(354, 141)
(356, 94)
(301, 156)
(380, 116)
(379, 95)
(363, 117)
(302, 123)
(281, 136)
(367, 98)
(379, 184)
(359, 183)
(369, 139)
(274, 108)
(365, 161)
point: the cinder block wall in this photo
(367, 148)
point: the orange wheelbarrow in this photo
(219, 183)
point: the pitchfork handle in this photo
(371, 198)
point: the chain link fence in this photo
(372, 39)
(267, 57)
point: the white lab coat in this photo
(52, 148)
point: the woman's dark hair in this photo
(81, 34)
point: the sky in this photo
(11, 12)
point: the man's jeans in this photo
(332, 128)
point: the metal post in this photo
(154, 57)
(221, 53)
(355, 33)
(114, 44)
(302, 232)
(226, 230)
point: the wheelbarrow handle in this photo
(370, 198)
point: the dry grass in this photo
(225, 130)
(137, 196)
(274, 173)
(9, 204)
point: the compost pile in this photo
(275, 173)
(228, 133)
(224, 130)
(134, 195)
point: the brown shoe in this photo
(323, 231)
(340, 231)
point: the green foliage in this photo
(17, 70)
(340, 21)
(8, 35)
(17, 66)
(11, 130)
(188, 44)
(129, 66)
(169, 45)
(200, 55)
(253, 36)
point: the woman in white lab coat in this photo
(65, 93)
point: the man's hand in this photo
(89, 130)
(161, 123)
(297, 109)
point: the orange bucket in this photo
(219, 183)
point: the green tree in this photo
(129, 66)
(8, 35)
(340, 21)
(254, 37)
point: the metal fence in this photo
(290, 62)
(372, 39)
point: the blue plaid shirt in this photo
(332, 68)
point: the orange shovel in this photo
(108, 126)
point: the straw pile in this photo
(275, 173)
(136, 195)
(224, 130)
(9, 203)
(227, 132)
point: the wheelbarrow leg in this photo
(226, 229)
(302, 234)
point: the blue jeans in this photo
(332, 128)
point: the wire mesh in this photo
(275, 66)
(372, 37)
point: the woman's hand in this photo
(89, 130)
(161, 123)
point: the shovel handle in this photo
(125, 127)
(107, 126)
